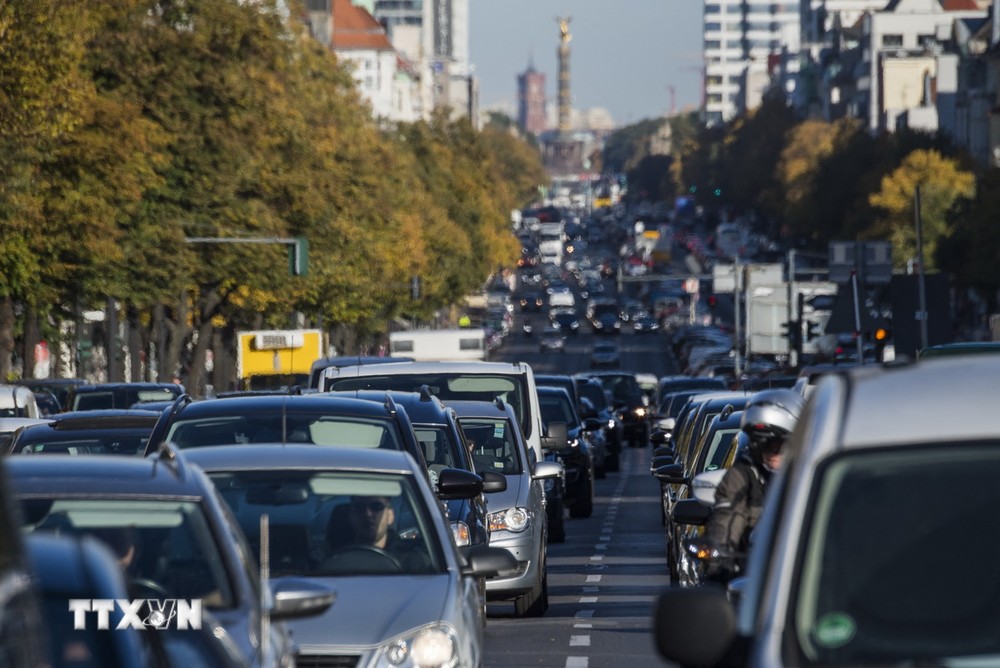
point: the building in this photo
(531, 101)
(748, 47)
(383, 79)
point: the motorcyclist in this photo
(768, 419)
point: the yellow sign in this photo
(274, 352)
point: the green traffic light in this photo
(718, 191)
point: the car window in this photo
(557, 409)
(292, 427)
(165, 542)
(875, 585)
(320, 521)
(110, 445)
(493, 445)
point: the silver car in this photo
(517, 517)
(365, 522)
(878, 541)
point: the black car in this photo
(59, 387)
(629, 402)
(565, 320)
(101, 432)
(576, 457)
(444, 447)
(283, 418)
(170, 530)
(532, 300)
(118, 395)
(591, 389)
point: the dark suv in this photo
(575, 455)
(118, 395)
(628, 400)
(444, 446)
(285, 418)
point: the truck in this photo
(439, 345)
(274, 359)
(551, 236)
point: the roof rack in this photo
(180, 402)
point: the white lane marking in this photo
(593, 578)
(576, 662)
(583, 626)
(597, 557)
(602, 546)
(588, 599)
(579, 641)
(603, 538)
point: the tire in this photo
(532, 603)
(557, 522)
(583, 506)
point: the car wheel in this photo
(557, 522)
(583, 505)
(532, 603)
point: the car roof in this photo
(420, 407)
(104, 418)
(128, 386)
(504, 368)
(487, 409)
(278, 456)
(283, 402)
(105, 475)
(960, 348)
(959, 403)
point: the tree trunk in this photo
(136, 351)
(7, 321)
(31, 338)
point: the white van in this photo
(17, 401)
(439, 345)
(562, 298)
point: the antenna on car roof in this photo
(498, 400)
(425, 392)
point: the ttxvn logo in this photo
(141, 613)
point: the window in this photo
(892, 41)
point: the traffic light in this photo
(792, 332)
(881, 336)
(693, 189)
(713, 301)
(812, 330)
(718, 192)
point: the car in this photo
(316, 370)
(552, 340)
(58, 386)
(565, 320)
(518, 520)
(644, 323)
(531, 300)
(365, 522)
(575, 454)
(175, 538)
(606, 322)
(443, 444)
(630, 403)
(118, 395)
(109, 432)
(79, 567)
(17, 401)
(848, 564)
(605, 355)
(593, 397)
(596, 439)
(285, 418)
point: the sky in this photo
(624, 54)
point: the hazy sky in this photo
(625, 54)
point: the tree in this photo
(941, 184)
(970, 251)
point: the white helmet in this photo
(771, 415)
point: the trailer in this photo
(439, 345)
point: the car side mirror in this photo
(592, 424)
(664, 451)
(659, 437)
(703, 485)
(493, 482)
(294, 598)
(660, 461)
(546, 470)
(694, 626)
(485, 561)
(458, 484)
(672, 474)
(690, 511)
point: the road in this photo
(603, 581)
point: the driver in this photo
(370, 519)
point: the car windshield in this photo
(895, 573)
(493, 445)
(166, 546)
(290, 427)
(335, 523)
(595, 394)
(98, 444)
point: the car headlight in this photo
(460, 530)
(512, 519)
(640, 411)
(617, 325)
(611, 423)
(574, 325)
(433, 646)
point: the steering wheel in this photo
(146, 588)
(362, 556)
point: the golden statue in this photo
(564, 35)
